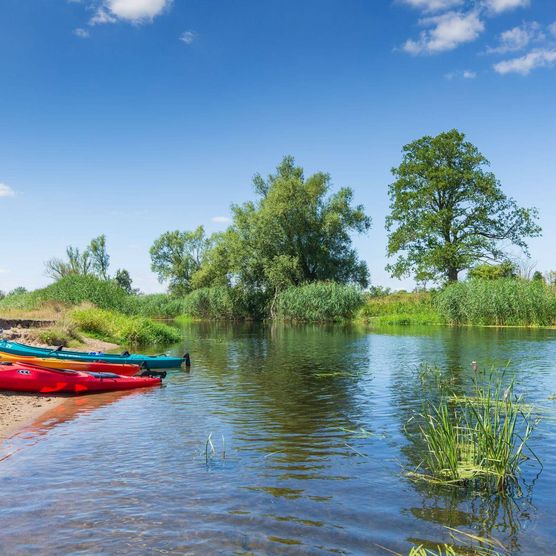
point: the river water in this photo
(279, 440)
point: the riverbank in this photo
(18, 410)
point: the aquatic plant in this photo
(481, 438)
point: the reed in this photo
(481, 439)
(503, 302)
(319, 302)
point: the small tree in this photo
(100, 259)
(123, 279)
(448, 212)
(176, 256)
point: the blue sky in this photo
(133, 117)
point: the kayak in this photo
(126, 358)
(19, 377)
(92, 366)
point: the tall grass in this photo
(156, 305)
(481, 438)
(122, 329)
(507, 301)
(401, 308)
(224, 303)
(319, 302)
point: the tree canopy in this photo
(176, 255)
(448, 212)
(295, 232)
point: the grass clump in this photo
(223, 302)
(503, 302)
(157, 305)
(480, 439)
(400, 308)
(319, 302)
(122, 329)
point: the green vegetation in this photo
(319, 302)
(448, 212)
(122, 329)
(224, 303)
(481, 439)
(504, 302)
(401, 308)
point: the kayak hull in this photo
(91, 366)
(146, 361)
(18, 377)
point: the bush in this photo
(112, 326)
(319, 302)
(507, 301)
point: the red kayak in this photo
(19, 377)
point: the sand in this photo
(20, 410)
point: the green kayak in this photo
(147, 361)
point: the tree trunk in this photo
(453, 275)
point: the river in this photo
(279, 440)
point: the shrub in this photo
(159, 305)
(319, 302)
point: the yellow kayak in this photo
(90, 366)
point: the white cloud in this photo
(221, 219)
(448, 31)
(6, 191)
(524, 64)
(3, 271)
(134, 11)
(81, 33)
(518, 38)
(465, 74)
(188, 37)
(499, 6)
(432, 5)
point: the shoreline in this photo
(18, 410)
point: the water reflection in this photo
(309, 441)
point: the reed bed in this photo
(319, 302)
(503, 302)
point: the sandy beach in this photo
(19, 410)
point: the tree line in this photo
(448, 214)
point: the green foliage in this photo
(481, 438)
(448, 211)
(158, 305)
(319, 302)
(63, 334)
(122, 329)
(175, 256)
(296, 232)
(100, 259)
(506, 269)
(123, 279)
(538, 277)
(513, 302)
(94, 259)
(400, 308)
(224, 303)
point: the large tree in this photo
(176, 255)
(296, 231)
(448, 212)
